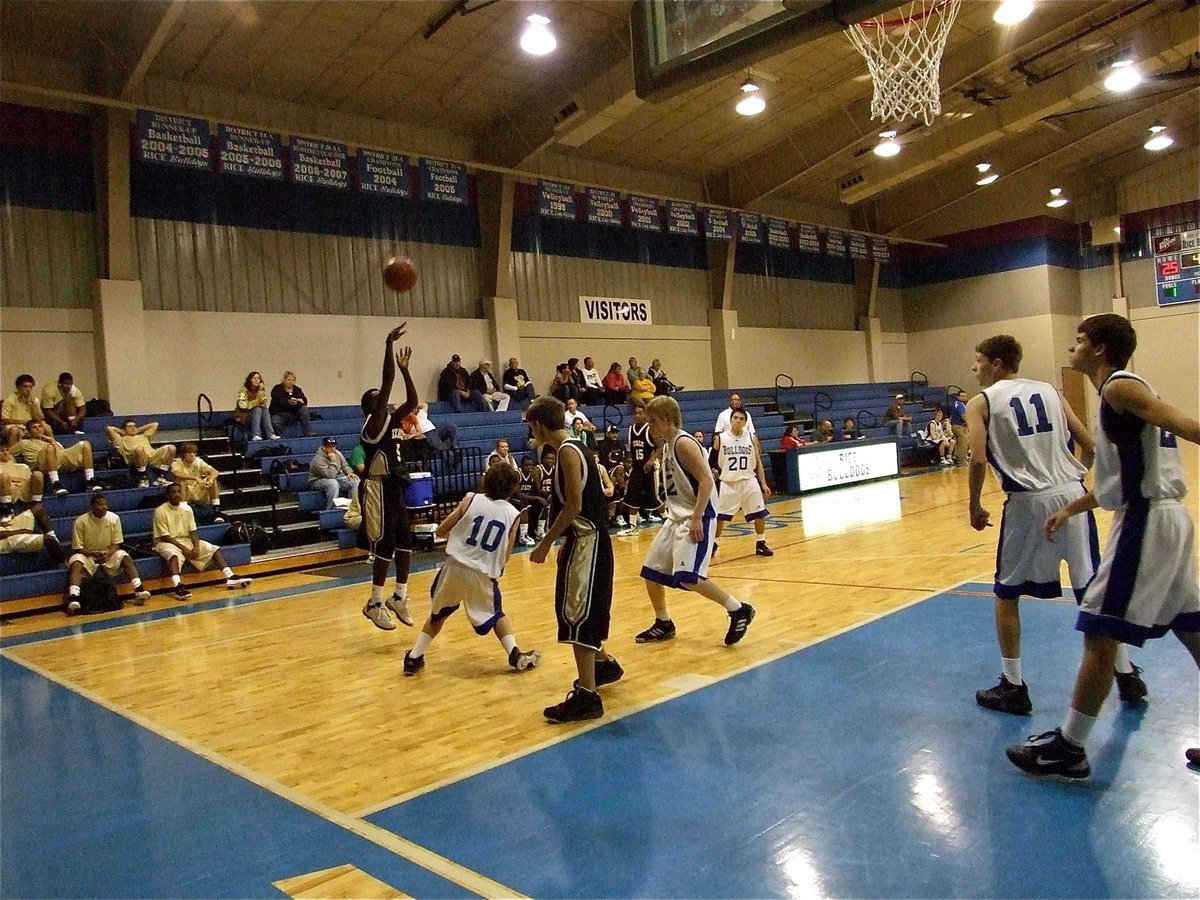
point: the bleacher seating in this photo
(295, 518)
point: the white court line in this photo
(414, 853)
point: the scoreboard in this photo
(1177, 267)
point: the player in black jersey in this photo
(584, 580)
(641, 496)
(384, 530)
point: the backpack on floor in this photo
(98, 594)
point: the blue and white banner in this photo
(880, 250)
(644, 214)
(322, 163)
(749, 228)
(807, 238)
(835, 243)
(613, 310)
(681, 217)
(249, 151)
(777, 234)
(603, 206)
(442, 180)
(717, 224)
(384, 173)
(858, 246)
(556, 199)
(172, 140)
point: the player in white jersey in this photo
(681, 550)
(479, 535)
(743, 481)
(1023, 428)
(1146, 583)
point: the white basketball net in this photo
(904, 55)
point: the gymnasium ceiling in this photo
(1027, 98)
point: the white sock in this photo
(216, 504)
(175, 579)
(522, 531)
(53, 477)
(401, 591)
(732, 604)
(1121, 661)
(1012, 669)
(376, 594)
(227, 572)
(89, 474)
(508, 642)
(137, 584)
(73, 590)
(420, 646)
(1077, 727)
(35, 498)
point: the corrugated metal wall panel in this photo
(48, 257)
(890, 309)
(192, 266)
(548, 288)
(764, 302)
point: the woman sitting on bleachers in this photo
(791, 438)
(615, 389)
(252, 411)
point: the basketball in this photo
(400, 274)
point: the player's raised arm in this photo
(378, 414)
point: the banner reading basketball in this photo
(174, 140)
(612, 310)
(319, 162)
(249, 151)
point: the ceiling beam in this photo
(152, 47)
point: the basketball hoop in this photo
(904, 56)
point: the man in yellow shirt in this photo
(63, 405)
(19, 409)
(133, 443)
(96, 540)
(41, 452)
(198, 480)
(17, 534)
(17, 480)
(177, 541)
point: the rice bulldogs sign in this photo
(611, 310)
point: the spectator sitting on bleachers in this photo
(722, 426)
(17, 534)
(422, 438)
(18, 482)
(791, 438)
(563, 387)
(96, 540)
(612, 449)
(573, 414)
(642, 391)
(177, 540)
(252, 412)
(824, 433)
(501, 454)
(133, 443)
(632, 372)
(63, 405)
(940, 436)
(850, 430)
(592, 391)
(289, 406)
(663, 385)
(580, 431)
(454, 388)
(485, 382)
(329, 472)
(517, 385)
(616, 389)
(358, 459)
(618, 512)
(576, 376)
(198, 480)
(19, 409)
(895, 416)
(40, 451)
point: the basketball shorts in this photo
(640, 492)
(384, 528)
(70, 459)
(112, 565)
(200, 563)
(745, 495)
(1026, 563)
(21, 478)
(457, 585)
(197, 492)
(22, 543)
(1146, 583)
(583, 585)
(674, 559)
(157, 456)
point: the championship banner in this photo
(749, 228)
(446, 181)
(777, 234)
(881, 250)
(556, 199)
(717, 225)
(858, 246)
(612, 310)
(249, 151)
(172, 140)
(807, 238)
(603, 206)
(835, 242)
(319, 162)
(644, 214)
(681, 218)
(384, 173)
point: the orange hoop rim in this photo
(903, 20)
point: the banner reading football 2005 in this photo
(614, 311)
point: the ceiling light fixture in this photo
(751, 103)
(987, 179)
(888, 147)
(1010, 12)
(538, 40)
(1122, 77)
(1160, 141)
(982, 167)
(1056, 198)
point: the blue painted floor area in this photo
(858, 767)
(92, 805)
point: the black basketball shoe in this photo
(1006, 697)
(739, 621)
(580, 705)
(1130, 687)
(1050, 753)
(661, 630)
(608, 671)
(413, 664)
